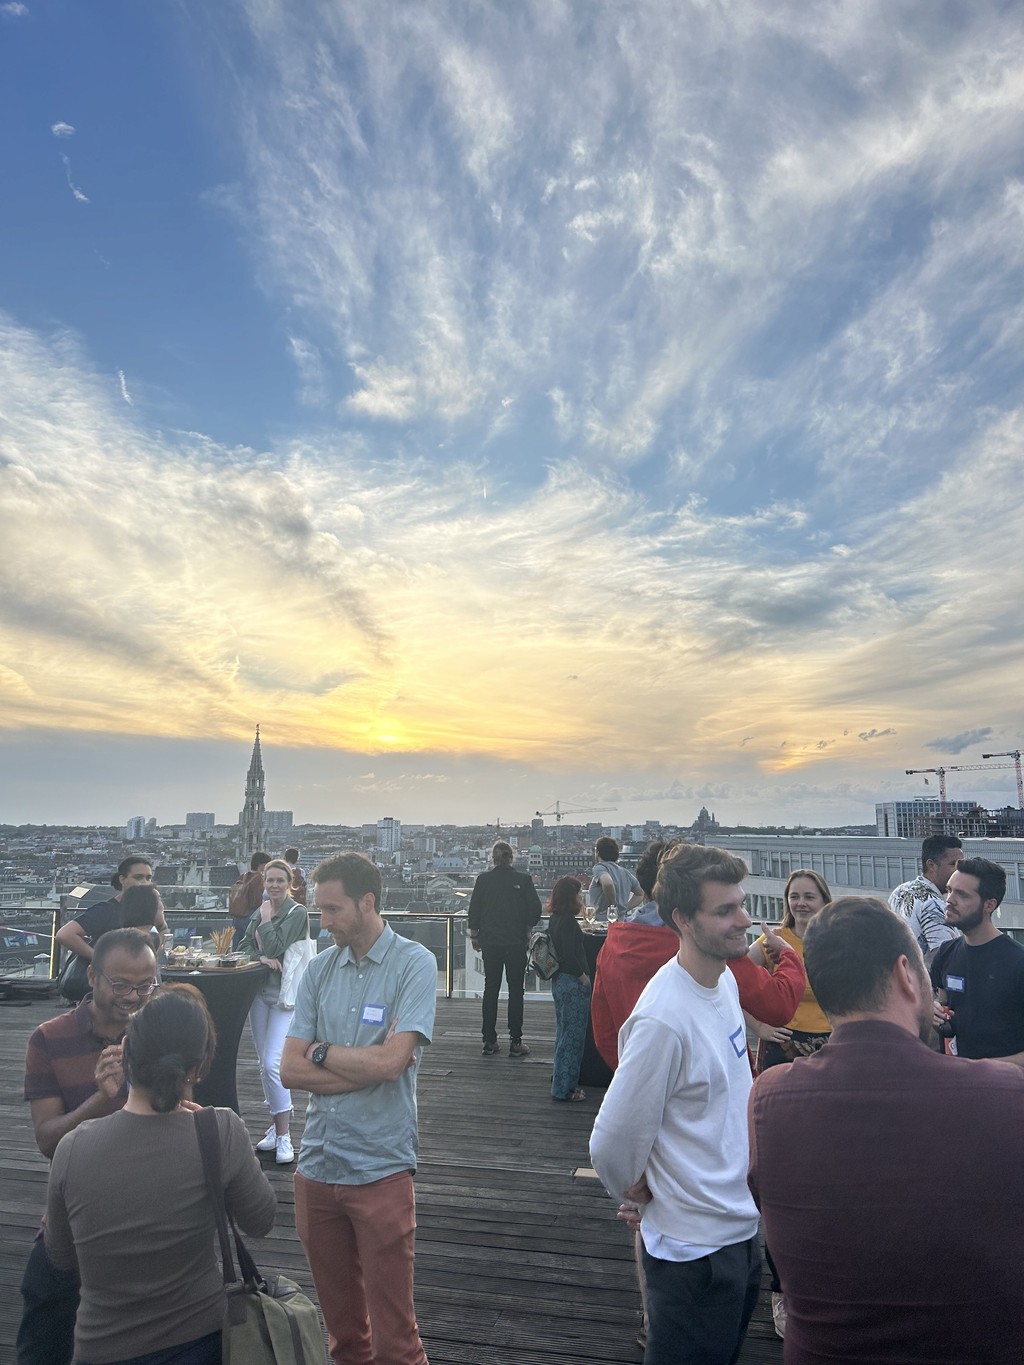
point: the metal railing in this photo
(460, 969)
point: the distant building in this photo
(704, 825)
(278, 821)
(424, 843)
(917, 819)
(859, 865)
(251, 817)
(200, 819)
(389, 835)
(135, 828)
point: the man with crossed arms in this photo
(363, 1012)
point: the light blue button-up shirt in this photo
(368, 1134)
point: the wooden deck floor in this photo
(519, 1261)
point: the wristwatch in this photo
(319, 1054)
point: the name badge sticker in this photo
(956, 983)
(739, 1044)
(374, 1014)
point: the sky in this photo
(503, 404)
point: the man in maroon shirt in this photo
(73, 1072)
(889, 1176)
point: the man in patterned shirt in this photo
(73, 1072)
(922, 902)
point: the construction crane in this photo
(941, 772)
(561, 810)
(1015, 755)
(974, 768)
(497, 825)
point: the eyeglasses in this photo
(141, 988)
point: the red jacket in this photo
(632, 953)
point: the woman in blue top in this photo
(274, 927)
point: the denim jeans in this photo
(46, 1335)
(200, 1351)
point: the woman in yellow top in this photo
(808, 1030)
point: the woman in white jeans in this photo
(275, 926)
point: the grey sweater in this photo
(127, 1202)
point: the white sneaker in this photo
(285, 1152)
(268, 1141)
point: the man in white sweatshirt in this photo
(671, 1136)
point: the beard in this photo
(968, 922)
(721, 946)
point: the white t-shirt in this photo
(676, 1113)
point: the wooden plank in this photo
(519, 1261)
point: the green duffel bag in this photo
(269, 1321)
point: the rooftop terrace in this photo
(519, 1259)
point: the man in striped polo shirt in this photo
(73, 1072)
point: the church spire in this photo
(251, 818)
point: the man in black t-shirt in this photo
(981, 976)
(80, 933)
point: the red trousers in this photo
(360, 1242)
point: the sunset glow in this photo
(549, 401)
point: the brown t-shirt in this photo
(127, 1201)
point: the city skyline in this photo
(502, 406)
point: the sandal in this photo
(578, 1095)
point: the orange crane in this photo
(561, 810)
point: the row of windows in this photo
(876, 874)
(845, 869)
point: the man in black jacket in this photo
(503, 908)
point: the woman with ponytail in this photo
(127, 1200)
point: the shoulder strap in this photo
(209, 1149)
(208, 1133)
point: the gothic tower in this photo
(251, 817)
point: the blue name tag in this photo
(739, 1042)
(956, 983)
(374, 1014)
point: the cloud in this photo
(62, 130)
(956, 744)
(124, 387)
(401, 782)
(542, 204)
(438, 622)
(658, 352)
(78, 194)
(309, 363)
(13, 9)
